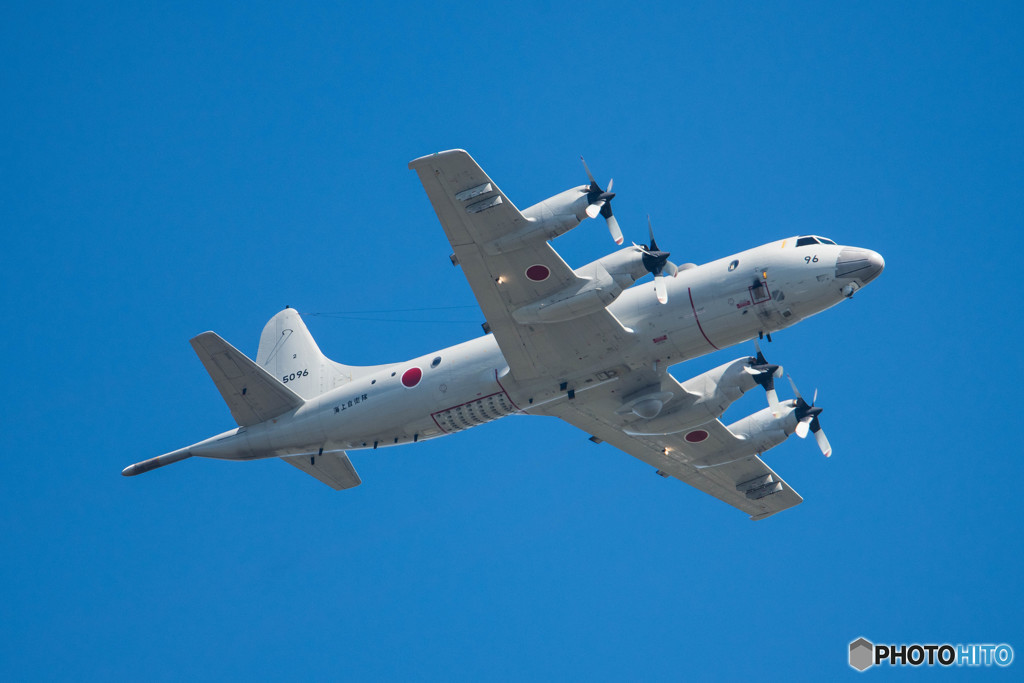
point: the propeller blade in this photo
(814, 399)
(589, 174)
(773, 402)
(768, 382)
(656, 262)
(760, 355)
(671, 269)
(803, 426)
(795, 390)
(661, 289)
(601, 203)
(613, 227)
(650, 233)
(823, 444)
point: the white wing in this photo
(719, 464)
(475, 213)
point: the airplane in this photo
(583, 344)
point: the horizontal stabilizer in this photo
(333, 469)
(251, 393)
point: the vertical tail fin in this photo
(287, 351)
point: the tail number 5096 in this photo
(294, 376)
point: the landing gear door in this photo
(766, 303)
(759, 292)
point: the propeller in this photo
(656, 262)
(807, 420)
(764, 373)
(600, 202)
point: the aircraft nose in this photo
(862, 265)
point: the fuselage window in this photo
(734, 265)
(434, 363)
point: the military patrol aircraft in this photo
(582, 345)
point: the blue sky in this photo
(170, 169)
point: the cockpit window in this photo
(812, 239)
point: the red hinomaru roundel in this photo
(538, 273)
(696, 436)
(411, 377)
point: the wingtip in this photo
(445, 152)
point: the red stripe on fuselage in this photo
(690, 292)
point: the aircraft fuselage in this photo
(710, 307)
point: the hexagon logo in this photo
(862, 654)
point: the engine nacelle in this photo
(706, 397)
(763, 431)
(604, 280)
(618, 270)
(546, 220)
(559, 214)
